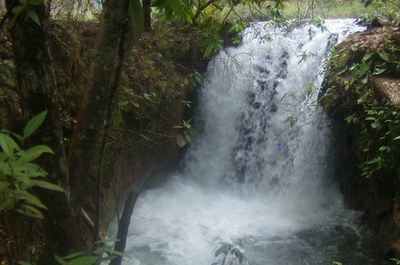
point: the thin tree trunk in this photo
(100, 172)
(147, 14)
(86, 148)
(123, 227)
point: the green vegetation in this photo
(374, 118)
(19, 175)
(324, 8)
(101, 253)
(387, 9)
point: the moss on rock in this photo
(361, 94)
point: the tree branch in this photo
(123, 227)
(201, 9)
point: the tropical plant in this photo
(187, 135)
(101, 253)
(19, 174)
(26, 7)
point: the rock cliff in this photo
(362, 95)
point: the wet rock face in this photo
(389, 87)
(375, 40)
(372, 39)
(362, 77)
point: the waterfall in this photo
(256, 186)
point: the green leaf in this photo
(123, 103)
(180, 141)
(75, 255)
(87, 260)
(29, 169)
(34, 124)
(208, 51)
(367, 56)
(47, 185)
(309, 89)
(351, 119)
(29, 198)
(17, 136)
(24, 263)
(3, 157)
(291, 119)
(33, 153)
(6, 205)
(376, 124)
(4, 185)
(360, 71)
(386, 149)
(32, 15)
(363, 98)
(379, 71)
(383, 55)
(5, 169)
(60, 260)
(8, 144)
(397, 138)
(28, 210)
(135, 104)
(377, 160)
(187, 137)
(109, 251)
(18, 9)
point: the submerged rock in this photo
(230, 255)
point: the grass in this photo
(325, 9)
(301, 9)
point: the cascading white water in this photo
(257, 181)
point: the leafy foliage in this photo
(387, 9)
(209, 16)
(19, 174)
(188, 133)
(26, 7)
(101, 253)
(374, 119)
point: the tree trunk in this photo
(123, 227)
(147, 14)
(36, 82)
(38, 91)
(85, 154)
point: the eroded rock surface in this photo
(362, 95)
